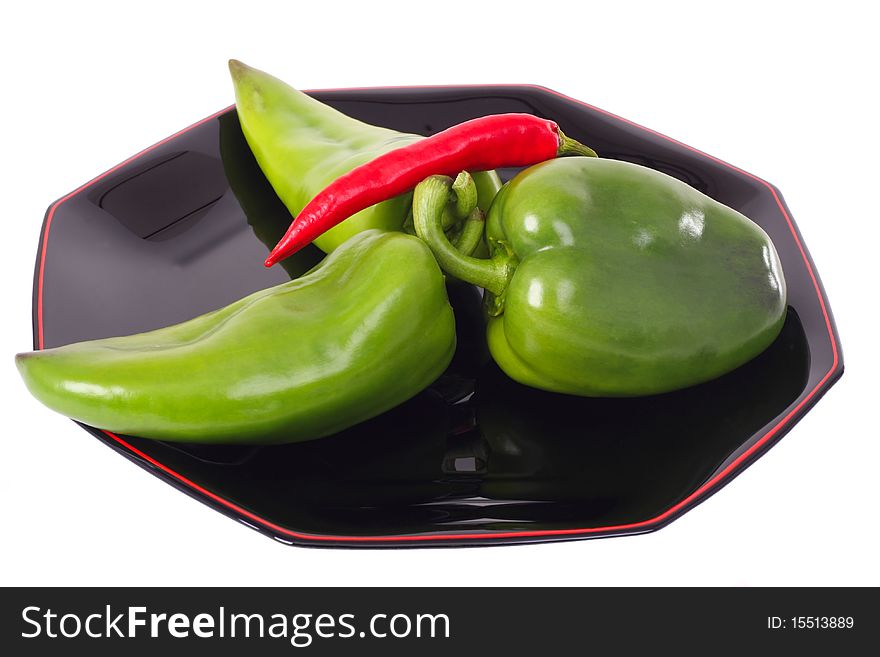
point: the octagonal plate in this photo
(183, 227)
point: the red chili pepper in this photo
(489, 142)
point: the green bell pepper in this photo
(303, 145)
(612, 279)
(365, 330)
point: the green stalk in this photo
(569, 146)
(465, 191)
(429, 200)
(467, 241)
(462, 204)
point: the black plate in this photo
(183, 227)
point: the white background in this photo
(784, 92)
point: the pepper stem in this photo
(469, 238)
(429, 200)
(569, 146)
(465, 191)
(465, 235)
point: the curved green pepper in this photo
(612, 279)
(367, 329)
(303, 145)
(265, 213)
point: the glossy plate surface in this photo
(183, 227)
